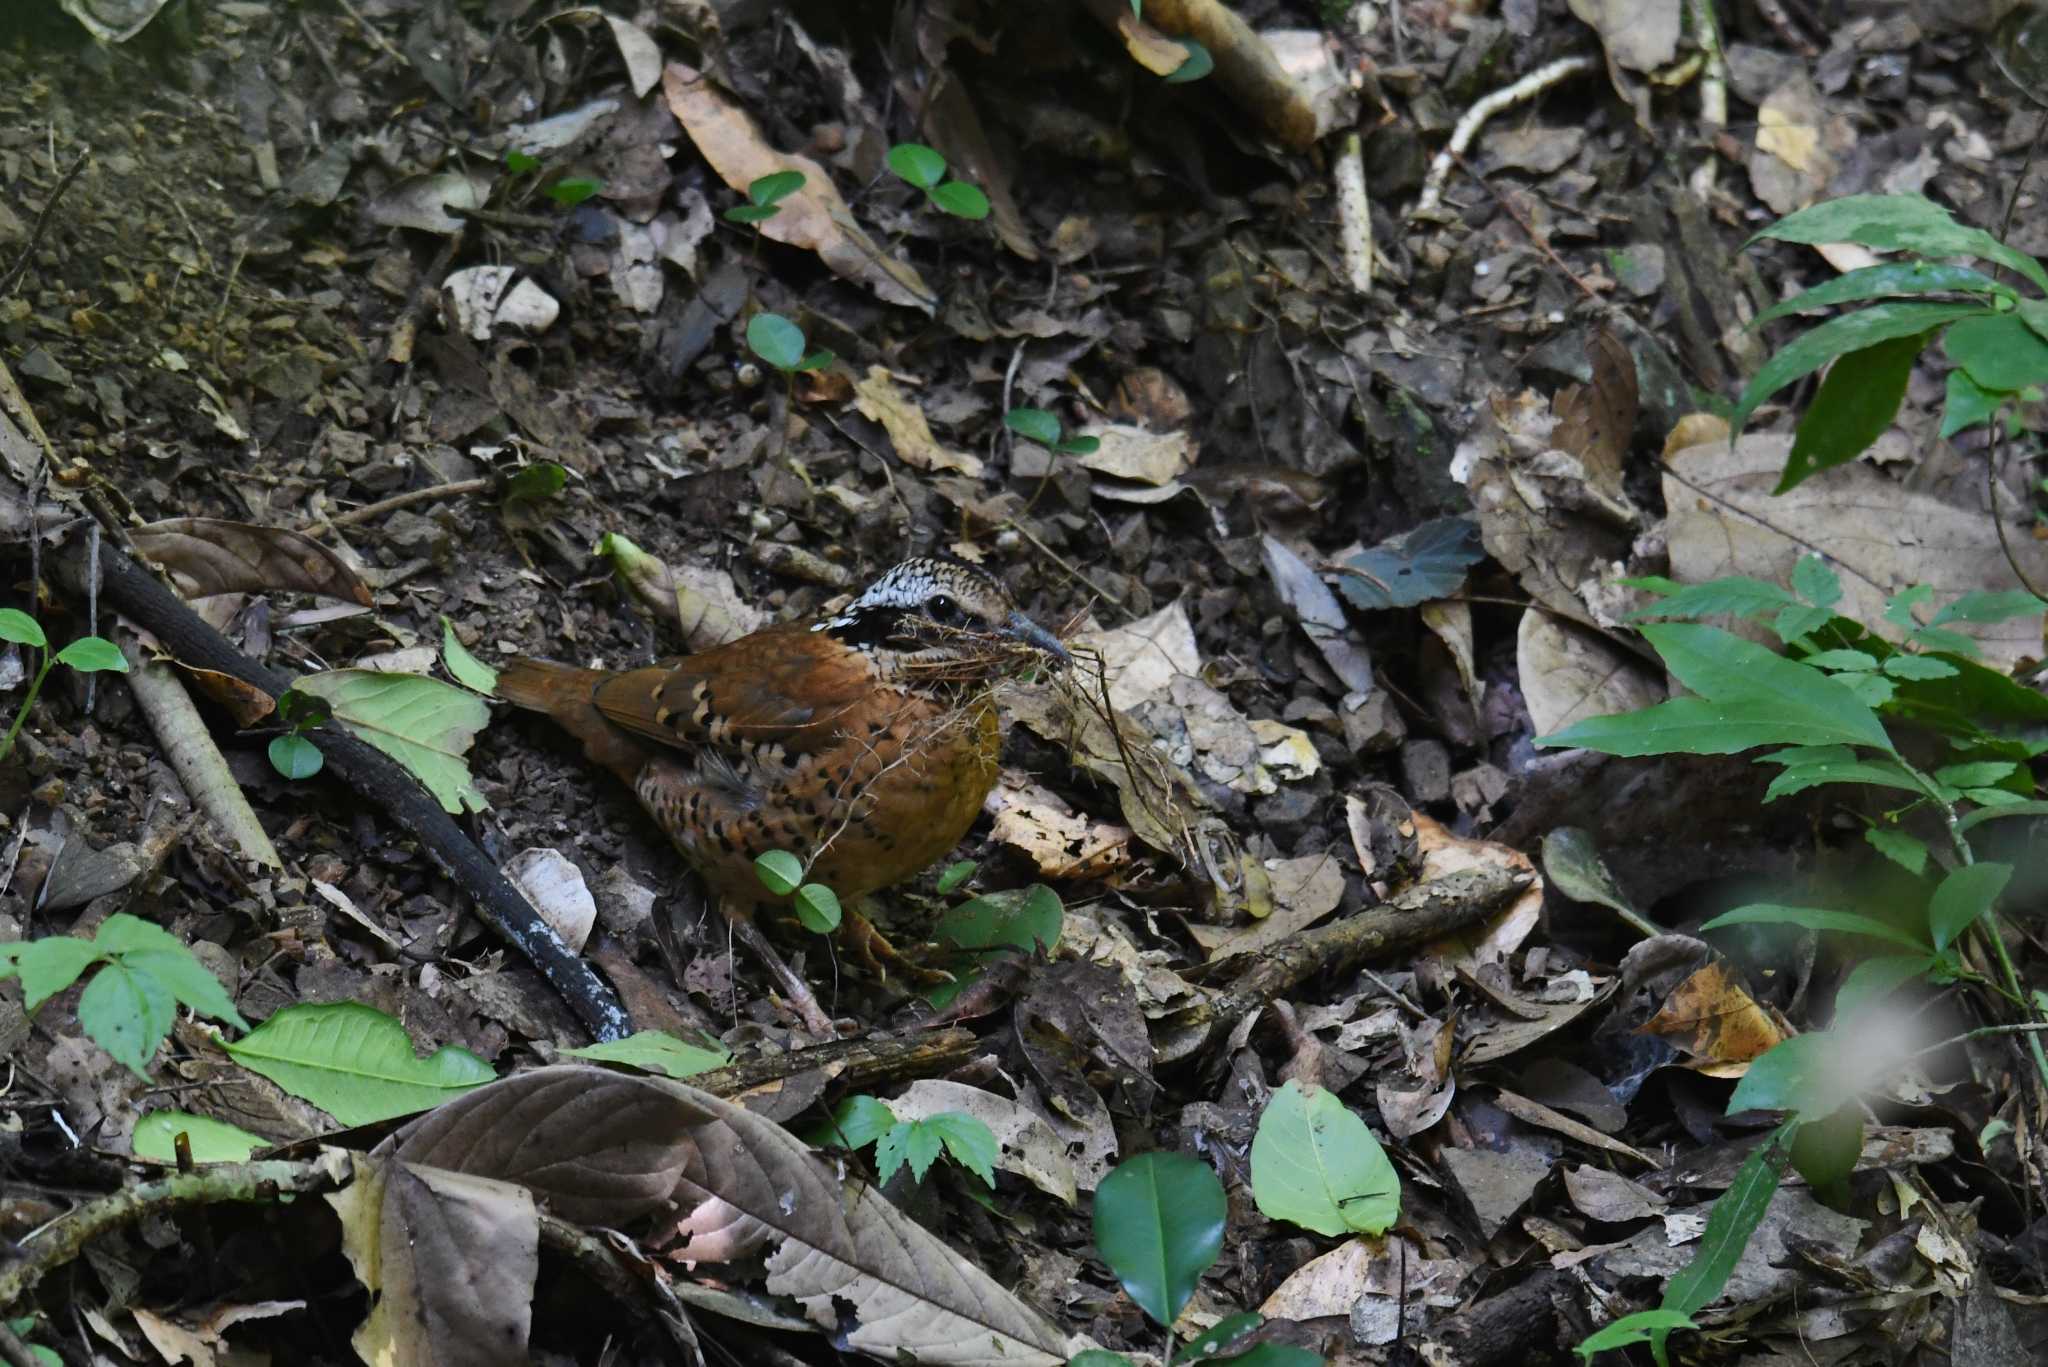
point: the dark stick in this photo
(132, 590)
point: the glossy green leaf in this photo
(908, 1141)
(1078, 446)
(1735, 1217)
(1900, 223)
(1033, 424)
(1797, 1075)
(1854, 406)
(570, 191)
(655, 1051)
(961, 199)
(1814, 918)
(1197, 65)
(1889, 279)
(355, 1062)
(466, 668)
(1159, 1222)
(775, 340)
(1999, 352)
(817, 907)
(295, 756)
(1315, 1164)
(1963, 896)
(1968, 403)
(774, 187)
(779, 871)
(1214, 1343)
(519, 163)
(1838, 337)
(19, 627)
(209, 1140)
(92, 655)
(752, 213)
(918, 164)
(424, 724)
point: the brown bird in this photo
(863, 744)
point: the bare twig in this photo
(369, 512)
(1531, 85)
(35, 235)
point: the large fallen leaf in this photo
(881, 399)
(424, 724)
(1879, 536)
(355, 1062)
(1568, 674)
(1028, 1147)
(815, 217)
(208, 555)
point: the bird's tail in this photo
(566, 694)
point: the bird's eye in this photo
(943, 608)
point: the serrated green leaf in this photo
(1315, 1164)
(1796, 622)
(1737, 596)
(1908, 852)
(1990, 605)
(148, 948)
(1814, 580)
(466, 668)
(775, 340)
(127, 1012)
(1814, 918)
(961, 199)
(779, 871)
(1999, 352)
(355, 1062)
(1838, 337)
(918, 164)
(909, 1141)
(1900, 223)
(1966, 894)
(972, 1144)
(1159, 1225)
(1850, 661)
(295, 756)
(19, 627)
(857, 1121)
(817, 907)
(1854, 406)
(1889, 279)
(424, 724)
(209, 1140)
(656, 1052)
(92, 655)
(49, 965)
(1033, 424)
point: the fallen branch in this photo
(1530, 86)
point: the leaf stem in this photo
(21, 716)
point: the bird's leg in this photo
(870, 948)
(793, 985)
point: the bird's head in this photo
(943, 618)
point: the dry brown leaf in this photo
(207, 555)
(1568, 674)
(1641, 35)
(1596, 421)
(245, 702)
(1062, 843)
(880, 399)
(1711, 1016)
(815, 217)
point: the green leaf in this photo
(1908, 852)
(1815, 580)
(972, 1144)
(1814, 918)
(1754, 599)
(519, 163)
(1825, 1151)
(1798, 621)
(466, 668)
(992, 924)
(775, 340)
(954, 875)
(1638, 1327)
(1968, 403)
(1803, 1075)
(2000, 352)
(816, 360)
(1197, 64)
(1990, 605)
(1078, 446)
(918, 164)
(51, 964)
(655, 1052)
(424, 724)
(1846, 660)
(127, 1012)
(909, 1141)
(295, 756)
(1811, 766)
(1159, 1222)
(776, 186)
(532, 483)
(1213, 1343)
(817, 907)
(1918, 667)
(211, 1141)
(857, 1122)
(1421, 564)
(18, 626)
(1979, 773)
(1315, 1164)
(1975, 819)
(961, 199)
(1099, 1357)
(1839, 336)
(1900, 223)
(1876, 978)
(1033, 424)
(301, 711)
(752, 213)
(1962, 897)
(1854, 406)
(1891, 278)
(355, 1063)
(571, 191)
(93, 654)
(1734, 1219)
(779, 871)
(149, 948)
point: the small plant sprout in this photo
(926, 169)
(817, 906)
(87, 655)
(293, 754)
(781, 344)
(765, 196)
(1042, 426)
(567, 191)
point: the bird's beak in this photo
(1022, 628)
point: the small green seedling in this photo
(533, 483)
(817, 906)
(567, 191)
(781, 343)
(956, 875)
(1198, 64)
(87, 655)
(294, 754)
(765, 196)
(926, 169)
(1042, 426)
(859, 1121)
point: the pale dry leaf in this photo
(1025, 1144)
(555, 887)
(207, 555)
(1568, 674)
(1130, 452)
(880, 399)
(1061, 842)
(1641, 35)
(1305, 890)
